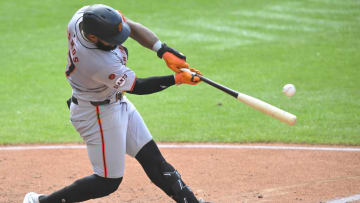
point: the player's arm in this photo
(152, 84)
(156, 84)
(144, 36)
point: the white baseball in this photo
(289, 90)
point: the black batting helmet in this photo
(105, 23)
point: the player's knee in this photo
(112, 185)
(164, 174)
(106, 186)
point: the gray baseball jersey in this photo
(95, 75)
(109, 130)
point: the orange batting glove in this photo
(174, 63)
(188, 78)
(173, 58)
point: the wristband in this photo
(157, 46)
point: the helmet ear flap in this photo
(91, 23)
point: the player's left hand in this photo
(173, 58)
(188, 78)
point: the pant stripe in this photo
(102, 140)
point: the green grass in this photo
(254, 47)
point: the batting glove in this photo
(188, 78)
(173, 58)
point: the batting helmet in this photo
(105, 23)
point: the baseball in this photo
(289, 90)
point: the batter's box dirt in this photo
(217, 175)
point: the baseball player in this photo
(107, 121)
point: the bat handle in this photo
(212, 83)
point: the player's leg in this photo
(86, 188)
(164, 174)
(104, 133)
(107, 147)
(140, 145)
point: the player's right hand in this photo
(173, 58)
(188, 78)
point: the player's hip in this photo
(87, 119)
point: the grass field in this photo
(254, 47)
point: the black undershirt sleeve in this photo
(152, 84)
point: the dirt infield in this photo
(217, 175)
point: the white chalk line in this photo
(209, 146)
(345, 199)
(193, 146)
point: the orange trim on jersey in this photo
(102, 140)
(133, 85)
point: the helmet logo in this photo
(120, 27)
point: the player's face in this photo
(101, 44)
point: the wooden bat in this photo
(255, 103)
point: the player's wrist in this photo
(177, 79)
(157, 45)
(165, 48)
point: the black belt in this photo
(98, 103)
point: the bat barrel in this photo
(268, 109)
(255, 103)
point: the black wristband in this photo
(164, 48)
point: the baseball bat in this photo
(253, 102)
